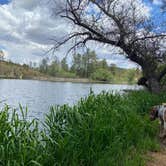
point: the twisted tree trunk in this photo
(152, 78)
(154, 85)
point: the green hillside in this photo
(12, 70)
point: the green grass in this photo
(101, 130)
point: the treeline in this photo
(87, 65)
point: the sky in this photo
(4, 2)
(27, 27)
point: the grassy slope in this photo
(100, 130)
(12, 70)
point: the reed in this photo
(102, 129)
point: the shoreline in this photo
(60, 79)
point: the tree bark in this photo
(154, 85)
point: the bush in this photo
(65, 74)
(102, 75)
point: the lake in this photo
(38, 96)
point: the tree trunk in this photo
(150, 78)
(154, 85)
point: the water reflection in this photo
(38, 96)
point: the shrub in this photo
(102, 75)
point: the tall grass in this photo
(19, 139)
(101, 130)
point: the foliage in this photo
(87, 65)
(54, 68)
(84, 65)
(105, 129)
(64, 64)
(44, 66)
(102, 75)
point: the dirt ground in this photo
(158, 158)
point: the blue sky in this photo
(27, 26)
(4, 2)
(158, 16)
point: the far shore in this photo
(59, 79)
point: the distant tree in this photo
(44, 65)
(64, 64)
(113, 68)
(77, 64)
(34, 64)
(25, 66)
(89, 62)
(2, 55)
(54, 68)
(102, 64)
(84, 64)
(102, 75)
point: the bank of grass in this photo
(101, 130)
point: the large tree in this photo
(125, 24)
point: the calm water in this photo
(40, 95)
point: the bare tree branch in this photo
(121, 24)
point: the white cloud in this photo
(28, 4)
(27, 27)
